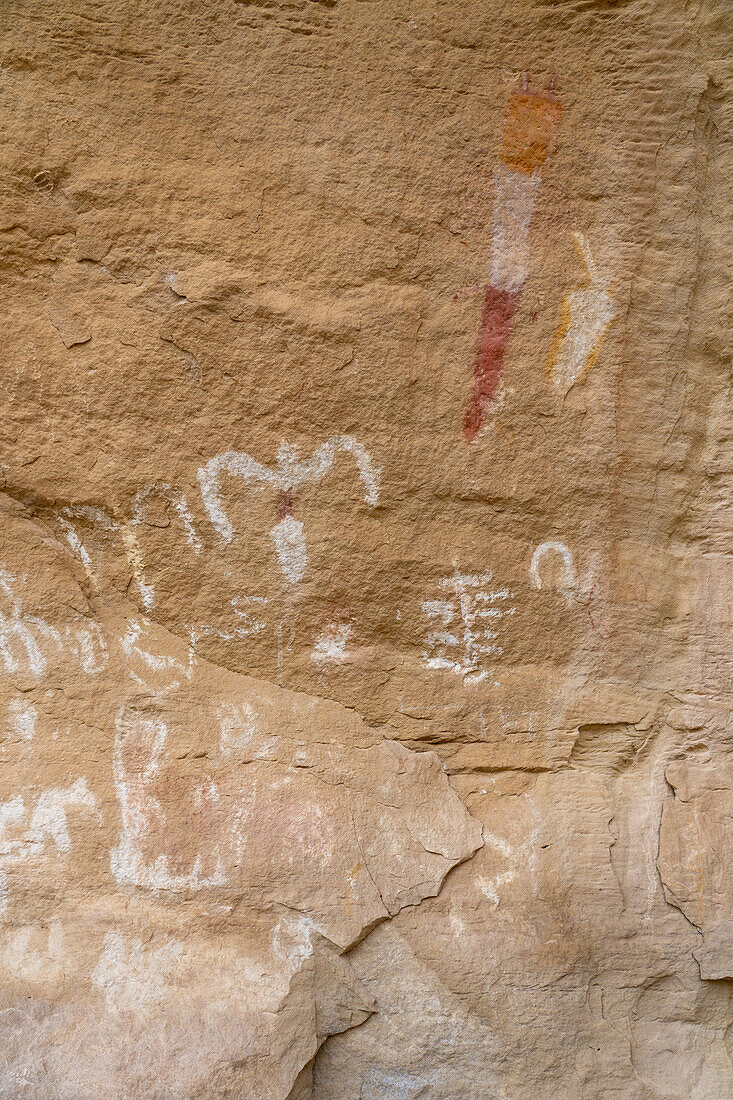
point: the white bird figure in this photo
(587, 313)
(290, 473)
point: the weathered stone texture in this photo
(365, 550)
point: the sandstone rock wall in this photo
(365, 550)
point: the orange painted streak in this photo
(530, 126)
(560, 333)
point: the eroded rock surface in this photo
(177, 888)
(365, 550)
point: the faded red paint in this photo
(286, 505)
(496, 322)
(529, 129)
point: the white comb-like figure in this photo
(290, 473)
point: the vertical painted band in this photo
(496, 320)
(530, 126)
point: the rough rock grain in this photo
(365, 550)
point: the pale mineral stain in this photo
(107, 523)
(147, 976)
(292, 940)
(238, 725)
(36, 953)
(397, 1084)
(23, 717)
(519, 858)
(331, 644)
(12, 814)
(134, 976)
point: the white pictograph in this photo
(518, 859)
(568, 583)
(330, 646)
(178, 502)
(290, 474)
(138, 756)
(247, 621)
(22, 635)
(587, 313)
(179, 831)
(25, 834)
(155, 672)
(28, 641)
(510, 245)
(88, 645)
(466, 622)
(108, 524)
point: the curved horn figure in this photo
(288, 534)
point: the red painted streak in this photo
(496, 323)
(286, 505)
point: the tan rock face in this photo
(186, 852)
(365, 551)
